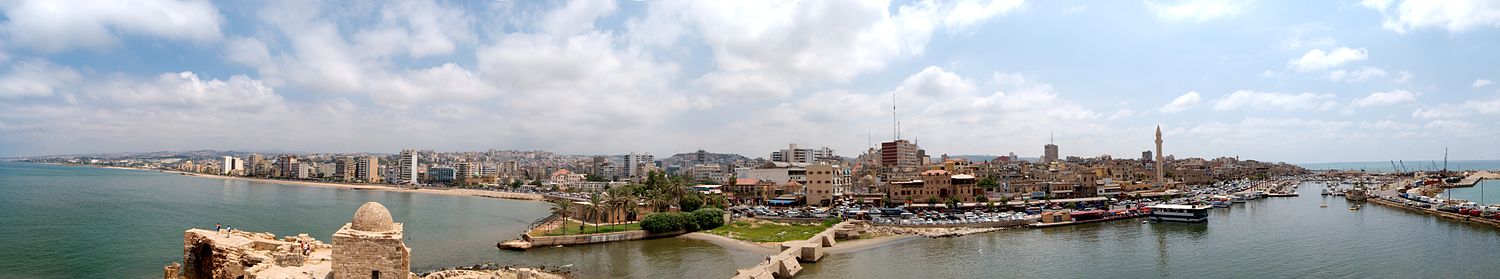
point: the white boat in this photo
(1237, 198)
(1325, 192)
(1178, 213)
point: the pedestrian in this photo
(218, 228)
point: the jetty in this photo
(788, 262)
(1475, 178)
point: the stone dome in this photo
(372, 217)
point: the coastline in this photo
(352, 186)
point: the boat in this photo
(1237, 198)
(1178, 213)
(1323, 205)
(1356, 194)
(1325, 192)
(1353, 208)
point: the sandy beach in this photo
(377, 187)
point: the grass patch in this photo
(767, 231)
(572, 229)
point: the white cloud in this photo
(1481, 83)
(1270, 74)
(35, 79)
(1197, 10)
(1486, 107)
(1284, 101)
(1386, 98)
(793, 44)
(1403, 77)
(967, 13)
(1075, 8)
(415, 28)
(1358, 75)
(934, 81)
(1456, 126)
(1454, 15)
(576, 17)
(1182, 102)
(57, 25)
(1317, 59)
(1121, 114)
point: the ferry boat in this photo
(1178, 213)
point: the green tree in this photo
(594, 208)
(932, 201)
(988, 183)
(562, 209)
(690, 202)
(515, 184)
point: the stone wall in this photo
(358, 254)
(537, 241)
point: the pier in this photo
(1474, 179)
(793, 253)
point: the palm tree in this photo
(594, 207)
(562, 209)
(621, 201)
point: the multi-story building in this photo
(367, 169)
(232, 166)
(287, 166)
(407, 167)
(467, 170)
(1049, 153)
(802, 155)
(825, 183)
(937, 185)
(636, 165)
(899, 160)
(441, 174)
(344, 168)
(707, 173)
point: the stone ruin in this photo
(370, 246)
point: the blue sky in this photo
(1296, 81)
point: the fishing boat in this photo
(1178, 213)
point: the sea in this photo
(1413, 165)
(87, 222)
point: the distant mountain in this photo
(709, 157)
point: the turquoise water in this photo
(84, 222)
(1428, 165)
(1486, 192)
(1265, 238)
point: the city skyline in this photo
(1274, 81)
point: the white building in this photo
(407, 168)
(636, 165)
(232, 166)
(802, 155)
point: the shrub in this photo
(660, 223)
(708, 218)
(669, 222)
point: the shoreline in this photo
(350, 186)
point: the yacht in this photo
(1325, 192)
(1179, 213)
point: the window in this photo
(374, 274)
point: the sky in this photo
(1294, 81)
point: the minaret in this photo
(1160, 182)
